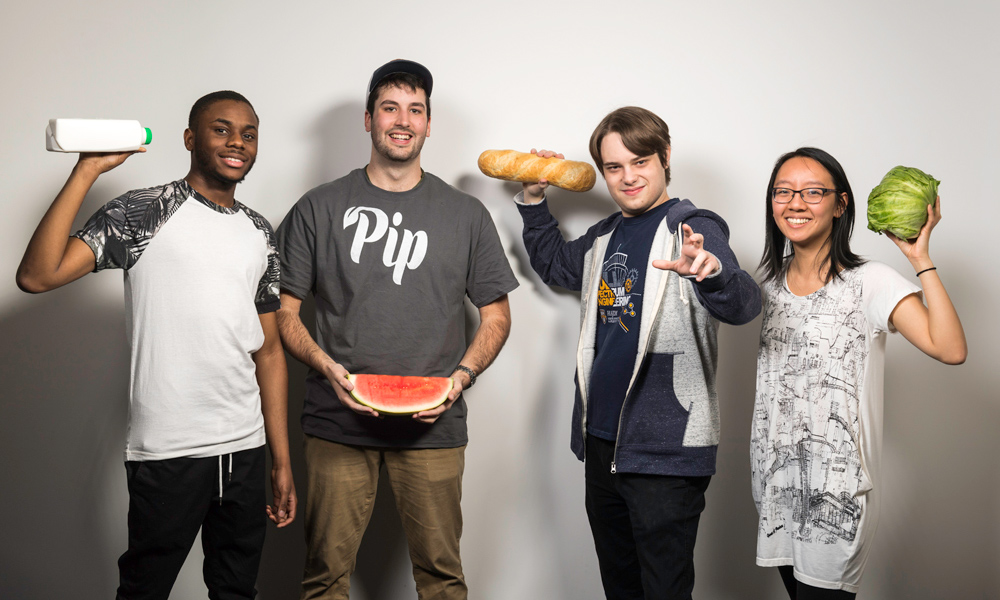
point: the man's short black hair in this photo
(400, 80)
(208, 99)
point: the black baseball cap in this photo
(400, 66)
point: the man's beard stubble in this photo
(390, 152)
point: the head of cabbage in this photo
(899, 203)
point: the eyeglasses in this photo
(809, 195)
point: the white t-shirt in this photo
(816, 441)
(196, 277)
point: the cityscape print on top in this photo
(807, 469)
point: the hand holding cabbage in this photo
(899, 203)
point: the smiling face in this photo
(223, 144)
(806, 225)
(636, 183)
(400, 123)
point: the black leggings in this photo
(801, 591)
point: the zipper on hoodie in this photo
(614, 457)
(594, 271)
(659, 296)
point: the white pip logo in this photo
(411, 249)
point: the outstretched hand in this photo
(535, 192)
(694, 259)
(918, 250)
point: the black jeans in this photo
(801, 591)
(170, 500)
(644, 528)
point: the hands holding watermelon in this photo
(337, 375)
(425, 398)
(429, 416)
(374, 395)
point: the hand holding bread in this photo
(511, 165)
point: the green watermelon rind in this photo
(374, 403)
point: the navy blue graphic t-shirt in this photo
(619, 303)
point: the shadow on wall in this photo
(65, 369)
(727, 538)
(550, 484)
(383, 565)
(65, 377)
(533, 491)
(939, 530)
(340, 141)
(575, 211)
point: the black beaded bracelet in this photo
(919, 273)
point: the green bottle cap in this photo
(149, 135)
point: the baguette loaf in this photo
(512, 165)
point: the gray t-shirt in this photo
(390, 272)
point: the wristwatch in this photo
(470, 373)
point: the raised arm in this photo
(535, 192)
(494, 327)
(272, 378)
(557, 261)
(304, 348)
(53, 258)
(935, 328)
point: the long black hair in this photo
(839, 255)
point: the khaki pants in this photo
(342, 481)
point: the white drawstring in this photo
(680, 280)
(220, 475)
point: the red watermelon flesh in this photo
(399, 395)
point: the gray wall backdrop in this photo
(875, 83)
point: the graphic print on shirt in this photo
(615, 291)
(121, 230)
(806, 465)
(399, 252)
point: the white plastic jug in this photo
(95, 135)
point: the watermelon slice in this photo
(399, 395)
